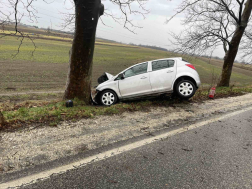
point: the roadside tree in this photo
(87, 14)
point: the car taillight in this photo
(191, 66)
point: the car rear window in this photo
(162, 64)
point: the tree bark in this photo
(234, 46)
(2, 120)
(87, 13)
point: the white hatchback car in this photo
(169, 75)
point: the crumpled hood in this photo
(109, 75)
(105, 77)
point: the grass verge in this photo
(44, 112)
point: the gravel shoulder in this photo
(33, 146)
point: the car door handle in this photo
(170, 71)
(143, 77)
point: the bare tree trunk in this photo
(230, 58)
(2, 120)
(234, 46)
(80, 69)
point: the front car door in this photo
(136, 81)
(162, 75)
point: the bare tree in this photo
(87, 14)
(211, 23)
(246, 46)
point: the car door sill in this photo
(146, 95)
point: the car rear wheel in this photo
(108, 98)
(185, 89)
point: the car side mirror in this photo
(121, 76)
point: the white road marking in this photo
(60, 170)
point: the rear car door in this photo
(162, 75)
(136, 81)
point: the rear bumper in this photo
(198, 83)
(197, 80)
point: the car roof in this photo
(176, 58)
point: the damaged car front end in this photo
(95, 92)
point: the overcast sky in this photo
(153, 29)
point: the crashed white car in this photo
(156, 77)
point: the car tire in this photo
(108, 98)
(185, 89)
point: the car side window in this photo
(162, 64)
(136, 70)
(171, 63)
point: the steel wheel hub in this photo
(185, 88)
(108, 98)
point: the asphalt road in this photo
(217, 155)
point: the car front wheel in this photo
(108, 98)
(185, 89)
